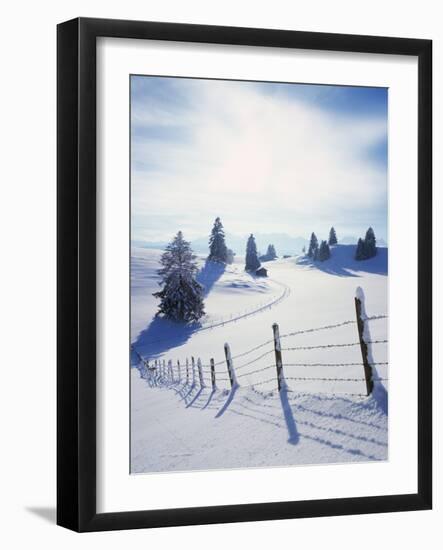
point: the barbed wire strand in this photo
(319, 379)
(330, 364)
(326, 346)
(255, 371)
(254, 360)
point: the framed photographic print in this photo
(244, 274)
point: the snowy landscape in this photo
(180, 425)
(256, 341)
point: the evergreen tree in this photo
(332, 237)
(359, 251)
(271, 254)
(370, 244)
(315, 254)
(181, 296)
(366, 248)
(252, 263)
(313, 246)
(218, 251)
(324, 252)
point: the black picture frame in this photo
(76, 265)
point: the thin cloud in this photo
(262, 162)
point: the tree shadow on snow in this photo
(343, 264)
(210, 274)
(162, 335)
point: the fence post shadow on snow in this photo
(228, 401)
(283, 389)
(291, 426)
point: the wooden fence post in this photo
(363, 347)
(214, 386)
(187, 371)
(154, 373)
(278, 359)
(179, 370)
(148, 372)
(171, 371)
(200, 373)
(193, 370)
(230, 365)
(165, 372)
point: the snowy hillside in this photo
(324, 417)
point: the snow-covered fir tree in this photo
(218, 251)
(252, 262)
(324, 252)
(370, 243)
(366, 248)
(271, 253)
(359, 251)
(332, 237)
(181, 296)
(313, 246)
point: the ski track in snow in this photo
(258, 309)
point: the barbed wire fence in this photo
(193, 372)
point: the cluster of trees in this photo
(367, 247)
(219, 252)
(322, 251)
(181, 295)
(270, 255)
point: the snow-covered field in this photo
(176, 426)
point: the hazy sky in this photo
(265, 157)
